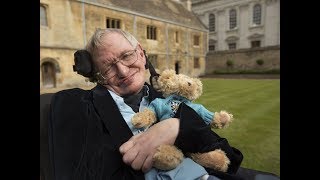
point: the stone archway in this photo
(48, 75)
(49, 68)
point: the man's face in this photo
(125, 79)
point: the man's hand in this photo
(138, 151)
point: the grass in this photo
(235, 71)
(255, 105)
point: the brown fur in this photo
(221, 119)
(167, 157)
(143, 119)
(216, 159)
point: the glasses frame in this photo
(102, 77)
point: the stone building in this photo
(170, 33)
(243, 34)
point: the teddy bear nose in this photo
(189, 83)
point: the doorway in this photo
(48, 72)
(177, 67)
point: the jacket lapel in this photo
(110, 115)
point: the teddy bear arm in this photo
(203, 112)
(216, 159)
(221, 119)
(144, 118)
(167, 157)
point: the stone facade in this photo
(71, 22)
(245, 31)
(265, 33)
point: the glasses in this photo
(126, 59)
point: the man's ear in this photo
(144, 54)
(140, 50)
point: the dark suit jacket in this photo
(86, 130)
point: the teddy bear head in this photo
(171, 83)
(190, 88)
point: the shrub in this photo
(229, 63)
(259, 62)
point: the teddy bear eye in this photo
(189, 83)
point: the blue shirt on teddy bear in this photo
(166, 108)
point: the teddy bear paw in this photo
(144, 118)
(222, 119)
(216, 159)
(167, 157)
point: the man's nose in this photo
(122, 69)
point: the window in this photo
(151, 32)
(232, 19)
(196, 62)
(43, 16)
(153, 59)
(255, 44)
(211, 45)
(113, 23)
(196, 40)
(177, 36)
(257, 14)
(212, 23)
(232, 46)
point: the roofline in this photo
(199, 2)
(139, 14)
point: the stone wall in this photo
(244, 59)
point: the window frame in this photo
(253, 43)
(113, 23)
(232, 43)
(196, 40)
(196, 62)
(257, 14)
(151, 32)
(176, 35)
(212, 22)
(232, 19)
(45, 7)
(212, 43)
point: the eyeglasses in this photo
(126, 59)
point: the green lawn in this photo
(255, 130)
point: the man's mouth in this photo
(127, 80)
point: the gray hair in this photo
(95, 42)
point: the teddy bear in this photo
(178, 88)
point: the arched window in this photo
(212, 23)
(43, 16)
(232, 19)
(257, 14)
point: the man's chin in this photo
(133, 89)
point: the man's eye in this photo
(127, 56)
